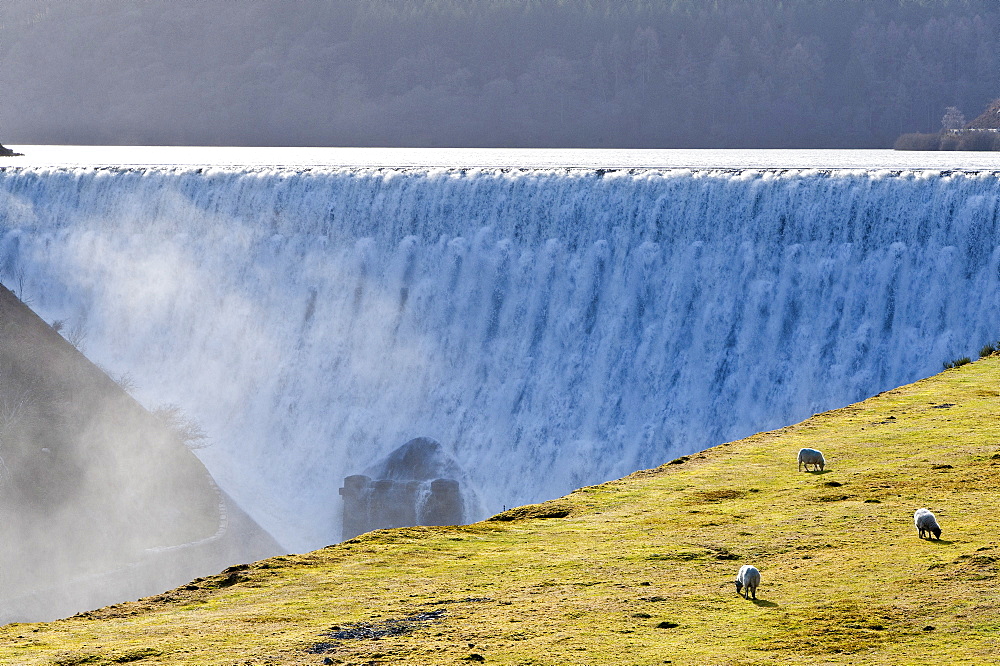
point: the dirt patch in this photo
(375, 630)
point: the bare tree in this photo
(183, 426)
(126, 381)
(14, 405)
(953, 119)
(77, 335)
(19, 284)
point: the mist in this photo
(687, 73)
(100, 501)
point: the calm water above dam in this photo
(497, 157)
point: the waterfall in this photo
(552, 328)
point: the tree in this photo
(184, 427)
(646, 58)
(953, 119)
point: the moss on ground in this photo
(638, 570)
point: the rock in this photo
(416, 484)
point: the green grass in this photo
(638, 570)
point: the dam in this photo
(551, 327)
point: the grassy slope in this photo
(845, 578)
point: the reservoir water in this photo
(553, 318)
(533, 158)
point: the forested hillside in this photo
(630, 73)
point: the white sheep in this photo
(747, 579)
(925, 522)
(811, 457)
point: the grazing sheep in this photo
(811, 457)
(747, 579)
(925, 521)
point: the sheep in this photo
(811, 457)
(925, 521)
(747, 579)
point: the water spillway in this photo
(551, 328)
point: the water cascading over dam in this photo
(550, 328)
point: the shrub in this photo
(186, 429)
(957, 362)
(977, 140)
(918, 141)
(127, 382)
(949, 141)
(76, 335)
(989, 349)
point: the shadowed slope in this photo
(637, 570)
(99, 501)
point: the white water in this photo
(553, 327)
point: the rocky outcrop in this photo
(7, 152)
(416, 484)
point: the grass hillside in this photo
(636, 571)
